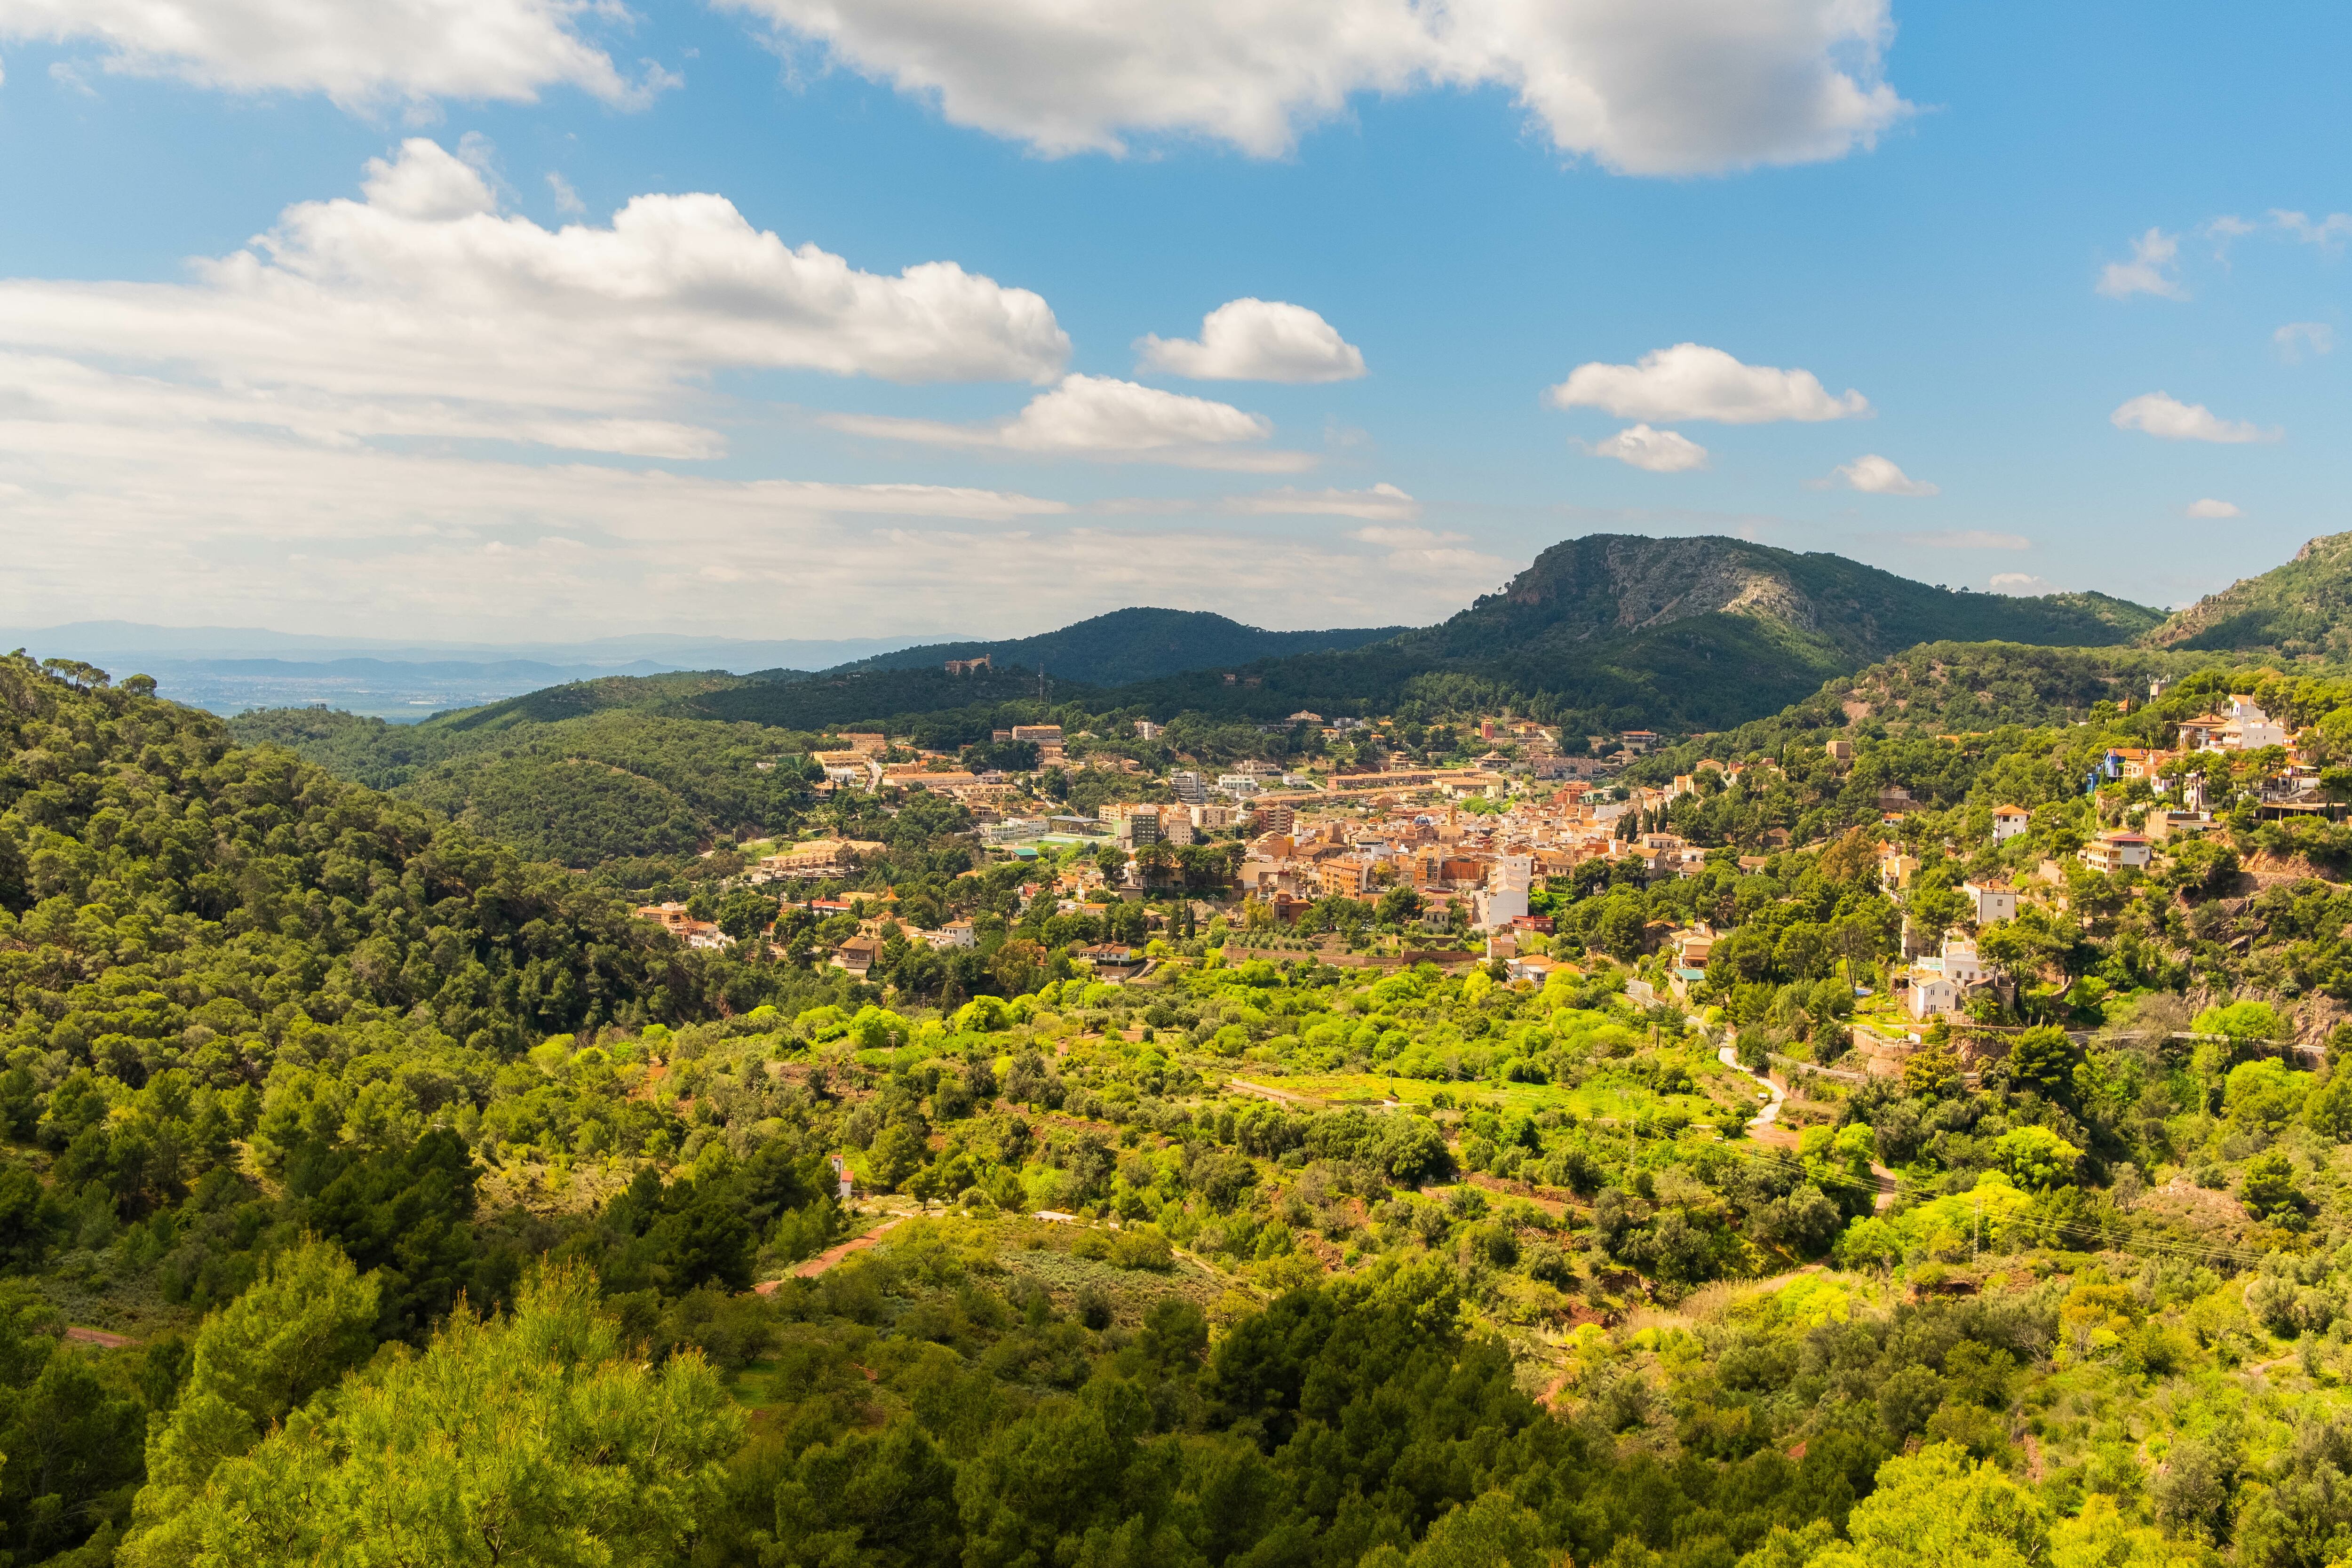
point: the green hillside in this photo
(2300, 610)
(1949, 688)
(612, 783)
(1133, 645)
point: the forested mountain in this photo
(1709, 631)
(789, 700)
(2302, 609)
(1133, 645)
(1612, 586)
(1613, 631)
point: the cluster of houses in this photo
(1473, 870)
(672, 919)
(860, 953)
(1359, 833)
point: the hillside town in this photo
(1462, 862)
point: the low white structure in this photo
(1932, 991)
(1993, 899)
(2009, 821)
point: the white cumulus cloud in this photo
(420, 309)
(1970, 539)
(2297, 339)
(1257, 340)
(1103, 419)
(1877, 475)
(2208, 506)
(1381, 502)
(2022, 585)
(2149, 271)
(1659, 451)
(1405, 538)
(1690, 380)
(2160, 414)
(360, 54)
(1661, 87)
(2328, 232)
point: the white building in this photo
(1190, 787)
(1505, 896)
(1932, 992)
(864, 774)
(2009, 821)
(2116, 851)
(1993, 899)
(1961, 965)
(2240, 727)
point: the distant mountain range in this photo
(1605, 631)
(1676, 635)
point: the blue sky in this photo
(2041, 245)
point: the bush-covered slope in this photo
(1947, 688)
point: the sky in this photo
(521, 319)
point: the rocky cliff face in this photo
(1619, 585)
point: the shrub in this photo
(1142, 1247)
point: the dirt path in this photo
(1280, 1094)
(100, 1338)
(1764, 1125)
(829, 1256)
(1765, 1128)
